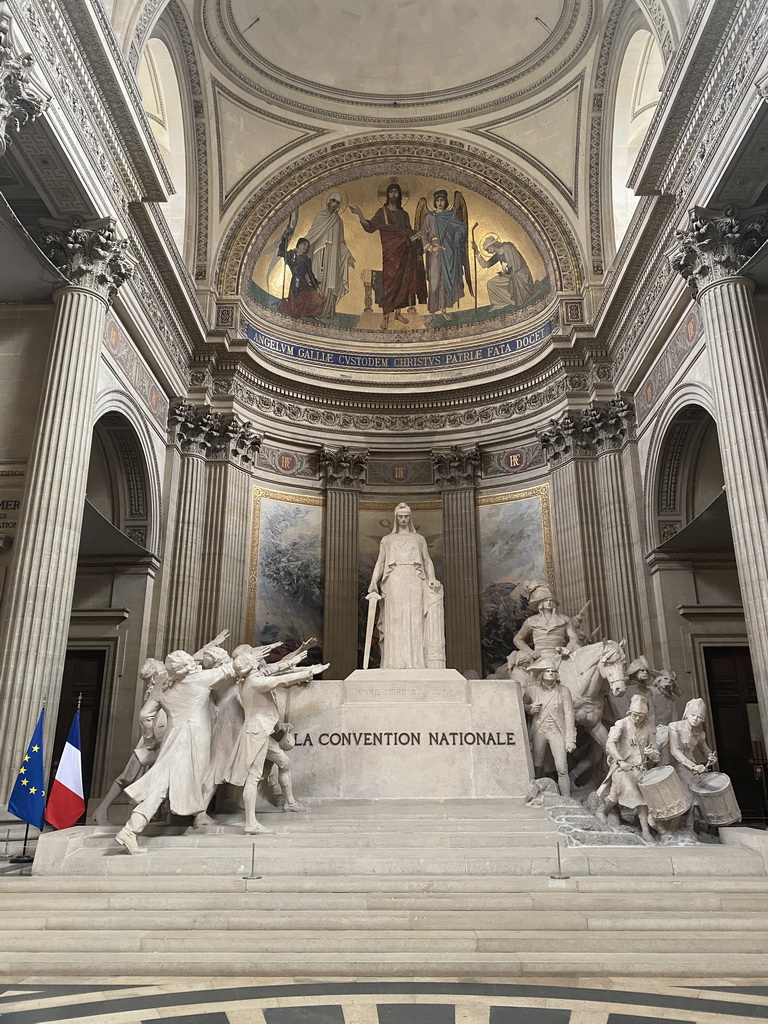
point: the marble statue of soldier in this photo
(631, 750)
(553, 723)
(144, 755)
(689, 752)
(665, 692)
(547, 629)
(257, 693)
(182, 771)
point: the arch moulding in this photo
(684, 396)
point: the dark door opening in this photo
(739, 739)
(83, 674)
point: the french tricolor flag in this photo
(66, 803)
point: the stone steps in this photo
(117, 965)
(298, 941)
(292, 905)
(450, 889)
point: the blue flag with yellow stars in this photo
(28, 794)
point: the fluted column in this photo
(224, 578)
(343, 474)
(190, 431)
(455, 474)
(570, 447)
(34, 618)
(709, 256)
(614, 425)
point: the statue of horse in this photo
(588, 673)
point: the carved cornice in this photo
(20, 101)
(282, 401)
(342, 468)
(595, 430)
(87, 253)
(456, 468)
(717, 244)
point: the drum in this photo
(664, 793)
(714, 794)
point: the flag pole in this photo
(23, 857)
(27, 799)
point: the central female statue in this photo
(411, 630)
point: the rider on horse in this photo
(548, 630)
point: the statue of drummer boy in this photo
(632, 750)
(688, 750)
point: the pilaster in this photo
(191, 430)
(224, 578)
(343, 474)
(456, 472)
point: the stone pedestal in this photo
(409, 734)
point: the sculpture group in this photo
(658, 769)
(211, 719)
(208, 719)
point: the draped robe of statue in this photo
(411, 630)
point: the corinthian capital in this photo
(456, 467)
(20, 101)
(195, 429)
(717, 244)
(88, 253)
(235, 441)
(343, 467)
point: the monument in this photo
(411, 728)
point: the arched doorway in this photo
(699, 599)
(113, 589)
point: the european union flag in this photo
(28, 794)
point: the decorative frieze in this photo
(717, 243)
(88, 253)
(596, 429)
(342, 468)
(20, 101)
(513, 460)
(456, 467)
(406, 471)
(288, 462)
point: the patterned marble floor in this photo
(292, 1001)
